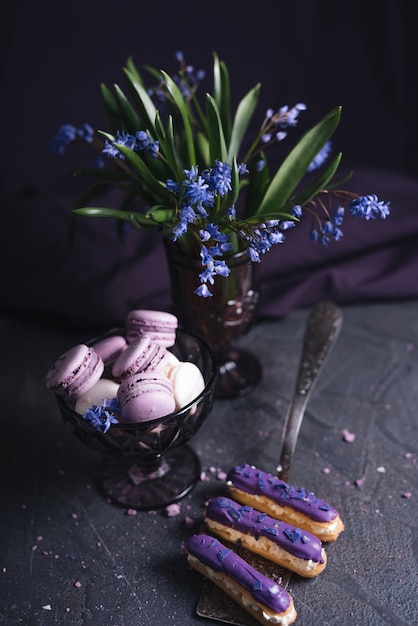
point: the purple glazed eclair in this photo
(260, 596)
(284, 544)
(295, 505)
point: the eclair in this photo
(267, 601)
(284, 544)
(294, 505)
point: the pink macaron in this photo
(75, 372)
(109, 349)
(144, 397)
(160, 326)
(143, 355)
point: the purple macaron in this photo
(145, 397)
(75, 372)
(160, 326)
(109, 348)
(143, 355)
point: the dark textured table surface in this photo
(68, 556)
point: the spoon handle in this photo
(322, 329)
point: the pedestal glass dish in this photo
(148, 465)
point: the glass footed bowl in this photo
(148, 465)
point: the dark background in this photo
(361, 55)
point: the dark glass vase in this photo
(222, 319)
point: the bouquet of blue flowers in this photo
(187, 169)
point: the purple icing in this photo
(254, 481)
(247, 520)
(215, 555)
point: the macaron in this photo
(109, 349)
(187, 383)
(144, 397)
(160, 326)
(75, 372)
(143, 355)
(104, 389)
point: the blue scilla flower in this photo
(203, 291)
(144, 142)
(320, 237)
(321, 157)
(337, 215)
(173, 185)
(297, 211)
(368, 207)
(288, 116)
(260, 165)
(102, 416)
(212, 266)
(262, 238)
(328, 230)
(212, 230)
(67, 134)
(219, 178)
(197, 191)
(186, 216)
(111, 151)
(122, 138)
(140, 141)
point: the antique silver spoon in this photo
(322, 329)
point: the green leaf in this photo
(110, 108)
(153, 71)
(337, 184)
(245, 111)
(217, 145)
(296, 163)
(133, 71)
(202, 146)
(145, 176)
(138, 220)
(166, 139)
(94, 211)
(222, 94)
(319, 183)
(217, 82)
(178, 101)
(131, 122)
(277, 215)
(160, 215)
(257, 185)
(143, 102)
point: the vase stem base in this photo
(125, 484)
(238, 372)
